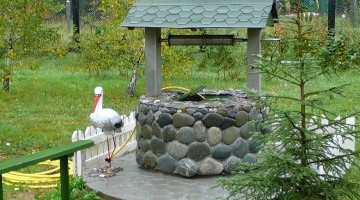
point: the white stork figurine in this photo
(106, 119)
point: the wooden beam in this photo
(153, 61)
(253, 48)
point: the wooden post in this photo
(153, 61)
(1, 188)
(64, 178)
(253, 48)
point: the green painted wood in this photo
(1, 188)
(48, 154)
(60, 152)
(64, 178)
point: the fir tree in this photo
(297, 158)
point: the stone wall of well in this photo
(197, 138)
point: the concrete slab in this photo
(135, 183)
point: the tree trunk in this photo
(132, 84)
(6, 84)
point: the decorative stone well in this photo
(197, 137)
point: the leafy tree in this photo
(22, 32)
(297, 144)
(108, 46)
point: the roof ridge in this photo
(192, 14)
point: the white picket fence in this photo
(347, 143)
(100, 149)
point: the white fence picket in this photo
(333, 151)
(100, 149)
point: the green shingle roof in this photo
(199, 14)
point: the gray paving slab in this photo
(136, 183)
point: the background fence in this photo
(345, 9)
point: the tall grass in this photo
(47, 103)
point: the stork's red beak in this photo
(97, 97)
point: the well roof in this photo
(200, 14)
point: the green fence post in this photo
(1, 188)
(64, 178)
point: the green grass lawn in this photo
(49, 100)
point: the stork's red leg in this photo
(108, 159)
(112, 154)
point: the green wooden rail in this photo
(61, 152)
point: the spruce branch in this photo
(329, 91)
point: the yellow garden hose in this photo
(46, 179)
(123, 145)
(49, 178)
(179, 88)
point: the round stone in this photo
(247, 108)
(203, 110)
(156, 115)
(212, 119)
(222, 111)
(146, 131)
(156, 130)
(241, 118)
(176, 149)
(198, 116)
(247, 130)
(166, 163)
(221, 151)
(139, 157)
(144, 109)
(150, 117)
(253, 115)
(186, 135)
(230, 135)
(149, 159)
(255, 144)
(144, 145)
(141, 118)
(183, 119)
(200, 131)
(157, 146)
(214, 136)
(228, 122)
(250, 158)
(231, 113)
(187, 167)
(153, 108)
(231, 164)
(169, 133)
(210, 166)
(163, 110)
(240, 148)
(165, 119)
(172, 111)
(190, 111)
(199, 150)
